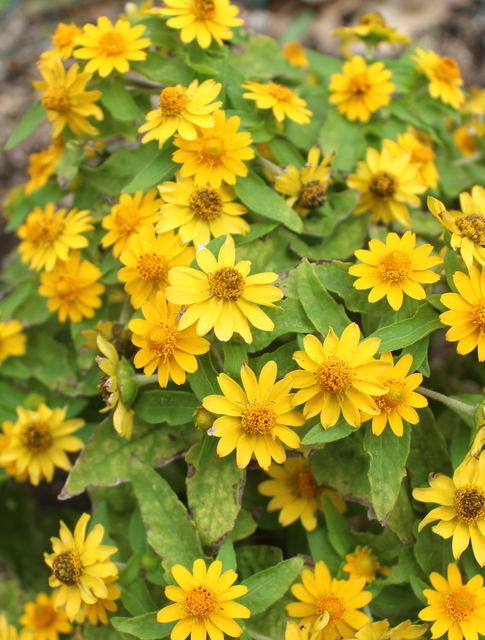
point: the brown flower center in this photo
(112, 44)
(279, 92)
(36, 437)
(43, 616)
(206, 203)
(395, 266)
(67, 567)
(334, 375)
(152, 267)
(204, 9)
(226, 283)
(469, 504)
(213, 148)
(447, 69)
(333, 605)
(460, 603)
(312, 195)
(305, 484)
(104, 386)
(472, 227)
(127, 219)
(55, 99)
(359, 83)
(382, 185)
(163, 340)
(393, 398)
(372, 17)
(199, 602)
(258, 418)
(478, 315)
(173, 101)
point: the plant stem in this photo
(257, 636)
(467, 159)
(143, 380)
(456, 405)
(270, 165)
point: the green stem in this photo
(257, 636)
(467, 159)
(456, 405)
(270, 165)
(125, 311)
(143, 380)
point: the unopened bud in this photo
(126, 382)
(203, 419)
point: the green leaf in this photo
(254, 558)
(263, 59)
(321, 549)
(154, 172)
(160, 405)
(405, 332)
(164, 69)
(144, 627)
(339, 532)
(30, 121)
(291, 318)
(136, 598)
(235, 353)
(119, 100)
(51, 363)
(204, 381)
(433, 553)
(428, 450)
(318, 435)
(227, 555)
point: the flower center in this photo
(305, 484)
(469, 504)
(334, 375)
(55, 99)
(372, 18)
(206, 203)
(359, 83)
(64, 35)
(173, 101)
(395, 266)
(163, 340)
(393, 398)
(312, 195)
(152, 267)
(127, 219)
(258, 418)
(333, 605)
(279, 92)
(66, 288)
(382, 185)
(447, 69)
(213, 147)
(36, 436)
(112, 44)
(460, 603)
(199, 602)
(226, 283)
(43, 616)
(473, 227)
(204, 9)
(67, 567)
(478, 315)
(422, 154)
(365, 564)
(44, 230)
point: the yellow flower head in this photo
(201, 20)
(200, 212)
(7, 631)
(475, 103)
(467, 312)
(341, 599)
(306, 187)
(422, 155)
(204, 602)
(361, 89)
(80, 565)
(164, 345)
(381, 630)
(128, 216)
(256, 418)
(42, 621)
(455, 608)
(295, 493)
(467, 226)
(63, 41)
(182, 110)
(43, 164)
(461, 513)
(338, 375)
(38, 442)
(295, 54)
(10, 466)
(217, 154)
(48, 234)
(12, 339)
(444, 76)
(148, 258)
(362, 563)
(395, 267)
(386, 184)
(283, 101)
(221, 295)
(97, 613)
(467, 135)
(110, 47)
(67, 102)
(371, 29)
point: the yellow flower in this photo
(461, 513)
(362, 563)
(321, 593)
(339, 375)
(10, 466)
(43, 164)
(42, 621)
(295, 631)
(467, 226)
(381, 630)
(80, 564)
(395, 267)
(360, 90)
(283, 101)
(12, 339)
(164, 345)
(475, 103)
(217, 154)
(306, 187)
(222, 295)
(200, 212)
(295, 492)
(110, 47)
(148, 258)
(256, 419)
(7, 631)
(371, 29)
(444, 76)
(182, 110)
(128, 216)
(295, 54)
(48, 234)
(204, 20)
(204, 602)
(38, 442)
(387, 183)
(467, 312)
(455, 608)
(96, 613)
(67, 102)
(466, 135)
(63, 41)
(422, 155)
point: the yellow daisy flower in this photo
(361, 89)
(455, 608)
(296, 494)
(67, 102)
(461, 513)
(295, 54)
(295, 631)
(43, 164)
(467, 135)
(382, 630)
(80, 564)
(97, 613)
(444, 76)
(467, 226)
(42, 621)
(7, 631)
(38, 442)
(422, 155)
(221, 295)
(48, 234)
(387, 183)
(128, 216)
(110, 47)
(362, 563)
(63, 41)
(306, 187)
(201, 20)
(200, 212)
(256, 418)
(339, 375)
(10, 466)
(73, 288)
(217, 154)
(182, 110)
(372, 29)
(164, 345)
(395, 267)
(321, 593)
(283, 101)
(12, 339)
(467, 312)
(148, 259)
